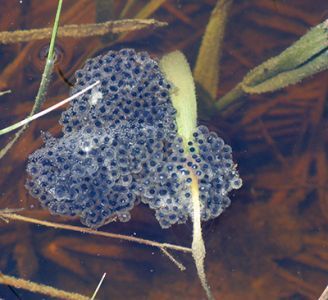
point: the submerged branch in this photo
(78, 31)
(39, 288)
(18, 217)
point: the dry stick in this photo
(78, 31)
(5, 92)
(94, 232)
(9, 210)
(40, 288)
(324, 295)
(49, 109)
(98, 287)
(177, 263)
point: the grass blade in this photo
(43, 84)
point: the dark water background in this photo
(272, 241)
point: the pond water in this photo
(271, 243)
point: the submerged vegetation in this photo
(287, 68)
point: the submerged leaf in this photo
(206, 72)
(177, 71)
(307, 56)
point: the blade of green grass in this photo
(40, 97)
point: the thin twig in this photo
(170, 256)
(40, 288)
(324, 295)
(98, 287)
(78, 31)
(94, 232)
(9, 210)
(5, 92)
(49, 109)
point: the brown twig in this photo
(17, 217)
(170, 256)
(40, 288)
(78, 31)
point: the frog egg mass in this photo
(120, 146)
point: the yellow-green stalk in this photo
(177, 71)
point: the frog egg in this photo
(120, 146)
(128, 87)
(125, 217)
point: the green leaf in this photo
(177, 71)
(40, 97)
(306, 57)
